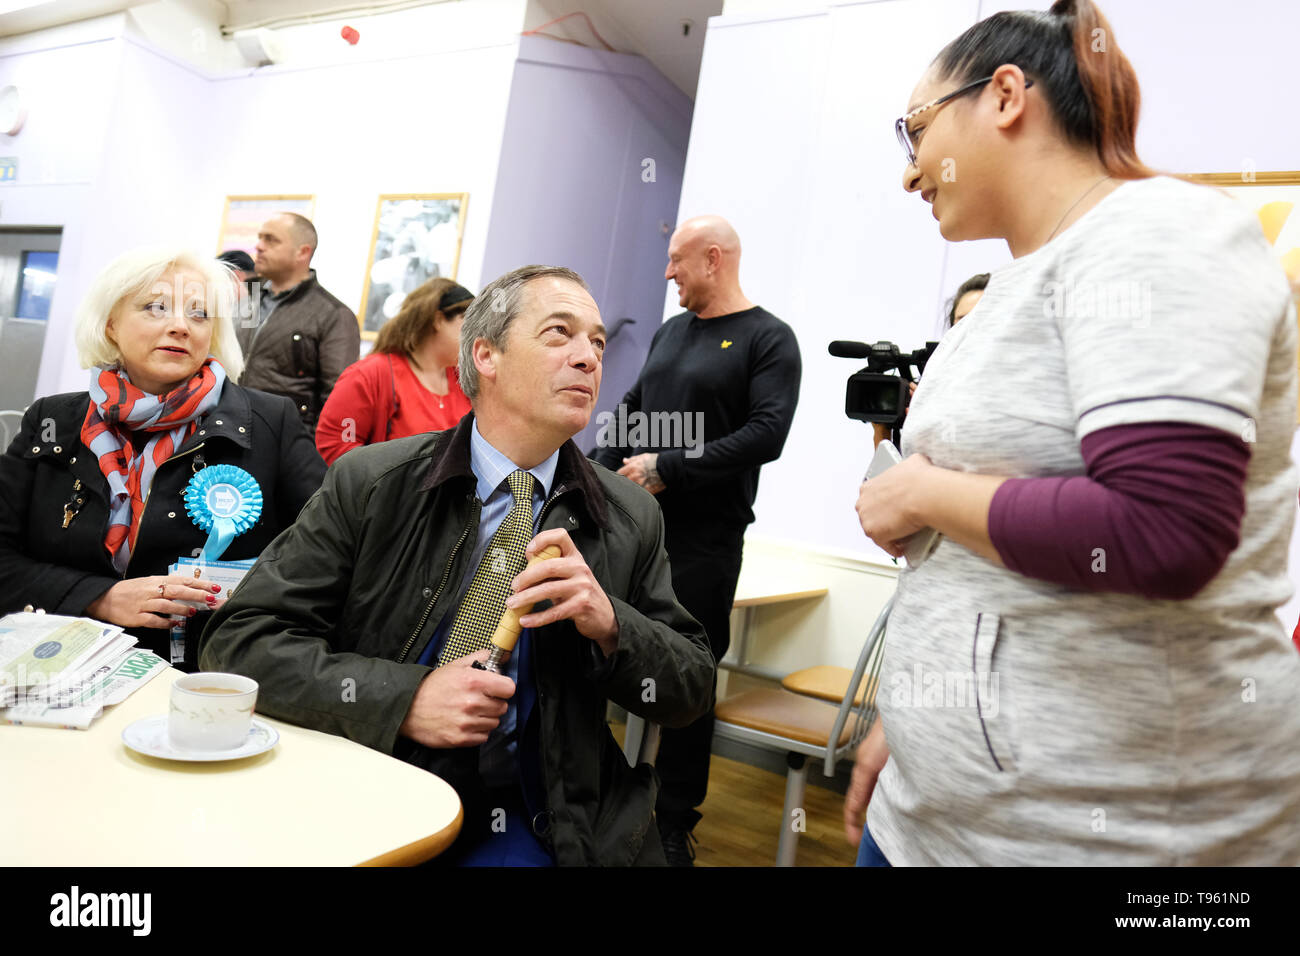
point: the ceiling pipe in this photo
(325, 16)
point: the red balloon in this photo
(351, 35)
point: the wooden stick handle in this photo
(509, 628)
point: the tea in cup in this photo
(211, 711)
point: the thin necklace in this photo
(1072, 207)
(441, 398)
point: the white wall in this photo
(793, 142)
(419, 105)
(788, 636)
(67, 77)
(129, 144)
(145, 188)
(347, 133)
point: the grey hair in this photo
(132, 273)
(489, 316)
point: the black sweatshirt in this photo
(736, 375)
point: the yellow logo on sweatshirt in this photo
(726, 343)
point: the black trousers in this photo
(705, 565)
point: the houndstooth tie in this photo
(481, 609)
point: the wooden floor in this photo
(742, 820)
(742, 816)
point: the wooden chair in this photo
(822, 682)
(801, 726)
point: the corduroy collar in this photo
(572, 472)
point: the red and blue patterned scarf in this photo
(117, 409)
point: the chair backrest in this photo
(10, 422)
(863, 713)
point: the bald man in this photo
(714, 401)
(299, 339)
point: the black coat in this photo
(64, 569)
(331, 622)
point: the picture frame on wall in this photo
(1274, 197)
(244, 215)
(416, 237)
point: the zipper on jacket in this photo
(145, 509)
(446, 573)
(73, 507)
(410, 641)
(541, 515)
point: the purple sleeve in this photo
(1158, 513)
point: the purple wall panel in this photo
(572, 188)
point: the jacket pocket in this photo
(625, 814)
(996, 720)
(626, 804)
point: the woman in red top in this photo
(408, 384)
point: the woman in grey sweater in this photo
(1089, 669)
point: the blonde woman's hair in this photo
(137, 271)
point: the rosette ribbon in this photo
(224, 501)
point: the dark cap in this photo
(457, 295)
(237, 259)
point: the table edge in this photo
(778, 598)
(422, 850)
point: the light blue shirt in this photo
(498, 756)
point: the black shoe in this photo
(678, 846)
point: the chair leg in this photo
(649, 751)
(796, 779)
(633, 737)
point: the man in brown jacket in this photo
(300, 338)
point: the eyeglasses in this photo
(900, 125)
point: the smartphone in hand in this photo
(921, 544)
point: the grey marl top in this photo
(1032, 723)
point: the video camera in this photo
(879, 392)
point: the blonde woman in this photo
(91, 506)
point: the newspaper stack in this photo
(63, 671)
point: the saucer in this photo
(148, 735)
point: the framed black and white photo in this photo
(416, 238)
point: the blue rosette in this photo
(224, 501)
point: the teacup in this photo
(211, 711)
